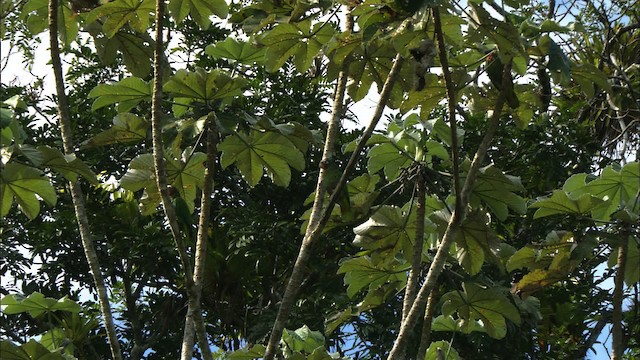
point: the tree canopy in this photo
(193, 184)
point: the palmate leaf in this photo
(369, 64)
(441, 350)
(256, 352)
(300, 40)
(428, 98)
(303, 340)
(35, 13)
(201, 86)
(200, 10)
(496, 189)
(258, 151)
(236, 50)
(23, 183)
(362, 272)
(118, 13)
(32, 350)
(67, 165)
(474, 241)
(126, 128)
(136, 50)
(490, 306)
(615, 189)
(185, 175)
(37, 304)
(127, 93)
(561, 203)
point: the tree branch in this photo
(416, 262)
(617, 343)
(74, 186)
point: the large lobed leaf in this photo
(259, 151)
(489, 305)
(116, 14)
(37, 304)
(200, 10)
(24, 184)
(127, 93)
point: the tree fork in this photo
(76, 191)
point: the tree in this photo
(493, 178)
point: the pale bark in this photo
(161, 178)
(425, 337)
(194, 309)
(416, 262)
(617, 332)
(75, 189)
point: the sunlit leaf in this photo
(115, 14)
(37, 304)
(126, 128)
(236, 50)
(200, 10)
(256, 352)
(361, 272)
(561, 203)
(441, 350)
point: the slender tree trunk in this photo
(617, 332)
(425, 338)
(161, 182)
(416, 262)
(75, 189)
(194, 309)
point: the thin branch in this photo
(74, 186)
(297, 273)
(416, 262)
(617, 344)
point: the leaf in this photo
(586, 75)
(389, 232)
(236, 50)
(256, 152)
(496, 190)
(361, 272)
(616, 189)
(302, 340)
(23, 183)
(127, 93)
(200, 10)
(256, 352)
(126, 128)
(549, 25)
(391, 157)
(473, 241)
(441, 350)
(490, 306)
(37, 304)
(115, 14)
(632, 268)
(369, 64)
(32, 350)
(561, 203)
(67, 165)
(300, 40)
(136, 50)
(426, 99)
(35, 15)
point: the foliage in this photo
(551, 207)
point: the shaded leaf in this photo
(490, 306)
(632, 269)
(361, 272)
(256, 352)
(254, 153)
(126, 128)
(127, 93)
(236, 50)
(200, 10)
(441, 350)
(136, 50)
(22, 183)
(496, 190)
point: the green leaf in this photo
(118, 13)
(35, 14)
(496, 190)
(302, 340)
(258, 151)
(361, 272)
(200, 10)
(37, 304)
(391, 157)
(616, 189)
(586, 75)
(32, 350)
(236, 50)
(561, 203)
(632, 268)
(368, 65)
(127, 93)
(426, 99)
(441, 350)
(256, 352)
(136, 50)
(490, 306)
(67, 165)
(23, 183)
(126, 128)
(473, 241)
(549, 25)
(300, 40)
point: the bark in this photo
(617, 331)
(318, 203)
(425, 338)
(194, 309)
(161, 182)
(75, 189)
(416, 262)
